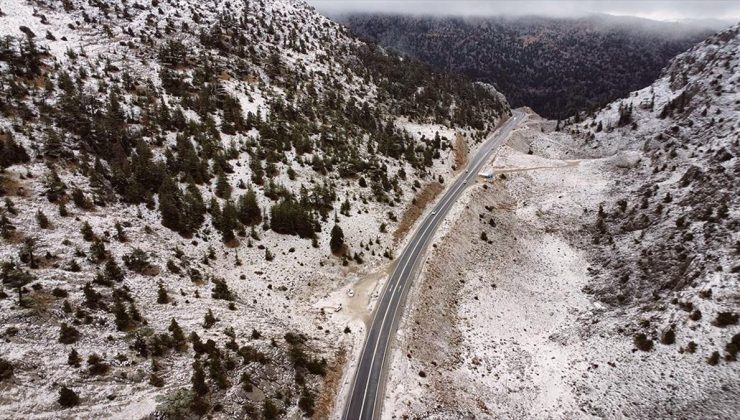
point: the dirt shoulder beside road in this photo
(498, 285)
(499, 325)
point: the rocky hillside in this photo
(555, 66)
(597, 275)
(184, 182)
(667, 243)
(676, 224)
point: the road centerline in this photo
(370, 368)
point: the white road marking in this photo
(408, 253)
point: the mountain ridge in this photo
(557, 66)
(187, 187)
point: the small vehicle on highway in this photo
(433, 213)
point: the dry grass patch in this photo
(425, 196)
(10, 185)
(331, 386)
(461, 151)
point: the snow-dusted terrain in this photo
(107, 107)
(200, 202)
(597, 275)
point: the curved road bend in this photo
(365, 399)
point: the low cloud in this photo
(652, 9)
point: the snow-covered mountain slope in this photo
(597, 275)
(673, 223)
(173, 172)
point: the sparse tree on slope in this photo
(337, 239)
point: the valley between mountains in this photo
(201, 204)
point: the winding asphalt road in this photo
(366, 395)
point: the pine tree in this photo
(337, 239)
(67, 397)
(87, 232)
(215, 210)
(258, 172)
(27, 254)
(217, 372)
(223, 188)
(134, 313)
(195, 209)
(162, 297)
(188, 161)
(292, 218)
(92, 297)
(178, 336)
(98, 253)
(209, 320)
(199, 379)
(15, 278)
(42, 220)
(249, 212)
(112, 271)
(221, 290)
(170, 204)
(74, 358)
(120, 234)
(67, 334)
(6, 227)
(147, 174)
(229, 221)
(11, 152)
(122, 318)
(55, 187)
(345, 207)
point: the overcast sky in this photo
(651, 9)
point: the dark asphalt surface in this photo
(366, 394)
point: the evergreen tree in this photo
(215, 210)
(217, 372)
(112, 271)
(74, 358)
(337, 239)
(87, 232)
(188, 161)
(209, 320)
(292, 218)
(195, 209)
(199, 379)
(15, 278)
(250, 213)
(42, 220)
(221, 290)
(229, 221)
(11, 152)
(178, 336)
(6, 227)
(162, 297)
(223, 188)
(92, 297)
(122, 318)
(170, 204)
(55, 187)
(68, 334)
(67, 397)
